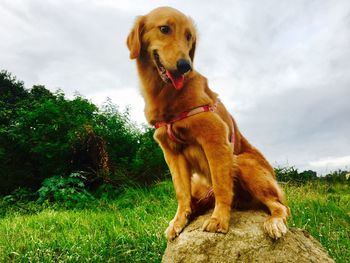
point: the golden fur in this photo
(240, 178)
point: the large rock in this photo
(246, 241)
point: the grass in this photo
(130, 228)
(324, 211)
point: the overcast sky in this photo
(282, 68)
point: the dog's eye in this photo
(188, 36)
(164, 29)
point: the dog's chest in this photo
(195, 156)
(192, 151)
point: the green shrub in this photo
(42, 133)
(70, 191)
(291, 174)
(337, 177)
(107, 192)
(148, 163)
(37, 131)
(286, 174)
(18, 201)
(20, 195)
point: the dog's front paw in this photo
(275, 227)
(214, 224)
(175, 228)
(171, 232)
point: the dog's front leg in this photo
(181, 176)
(222, 164)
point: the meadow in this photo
(127, 225)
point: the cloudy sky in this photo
(281, 67)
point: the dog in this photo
(211, 163)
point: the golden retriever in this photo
(210, 161)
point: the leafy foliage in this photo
(20, 195)
(148, 162)
(70, 190)
(338, 177)
(291, 174)
(43, 134)
(19, 200)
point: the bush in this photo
(148, 163)
(286, 174)
(69, 191)
(337, 177)
(18, 201)
(42, 133)
(37, 131)
(291, 174)
(20, 195)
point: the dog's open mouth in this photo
(167, 76)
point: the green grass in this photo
(130, 228)
(324, 211)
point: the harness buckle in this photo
(213, 108)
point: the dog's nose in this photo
(183, 66)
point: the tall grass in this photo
(130, 228)
(323, 210)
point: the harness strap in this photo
(207, 196)
(183, 115)
(169, 131)
(186, 114)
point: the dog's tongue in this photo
(177, 80)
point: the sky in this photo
(282, 68)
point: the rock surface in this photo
(246, 241)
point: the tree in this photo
(43, 134)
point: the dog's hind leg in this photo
(258, 179)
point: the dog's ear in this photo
(194, 32)
(134, 40)
(192, 51)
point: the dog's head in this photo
(168, 38)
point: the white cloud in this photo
(281, 67)
(126, 97)
(331, 162)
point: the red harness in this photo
(186, 114)
(172, 136)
